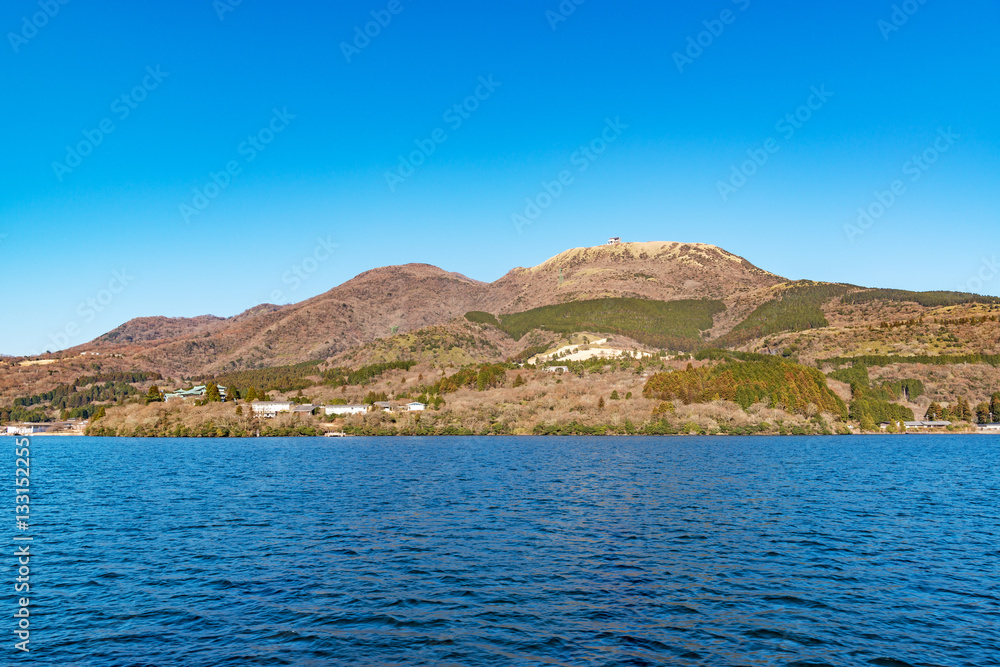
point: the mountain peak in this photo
(701, 255)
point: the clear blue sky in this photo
(888, 92)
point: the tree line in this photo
(937, 360)
(926, 299)
(796, 308)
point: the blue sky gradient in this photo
(893, 85)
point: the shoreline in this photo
(496, 435)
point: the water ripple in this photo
(799, 552)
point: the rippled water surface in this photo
(515, 551)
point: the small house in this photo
(416, 406)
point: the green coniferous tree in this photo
(983, 413)
(995, 407)
(154, 395)
(867, 423)
(966, 409)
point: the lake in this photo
(798, 551)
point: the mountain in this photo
(414, 310)
(614, 313)
(398, 299)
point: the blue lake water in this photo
(512, 551)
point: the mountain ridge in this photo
(391, 300)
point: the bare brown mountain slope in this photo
(372, 305)
(397, 299)
(652, 270)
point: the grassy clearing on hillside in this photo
(673, 325)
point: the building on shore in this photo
(926, 425)
(29, 429)
(345, 409)
(270, 409)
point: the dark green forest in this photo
(763, 380)
(675, 325)
(926, 299)
(277, 378)
(795, 309)
(937, 360)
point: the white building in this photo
(416, 406)
(27, 429)
(926, 424)
(345, 409)
(269, 409)
(614, 240)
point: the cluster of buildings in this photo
(271, 409)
